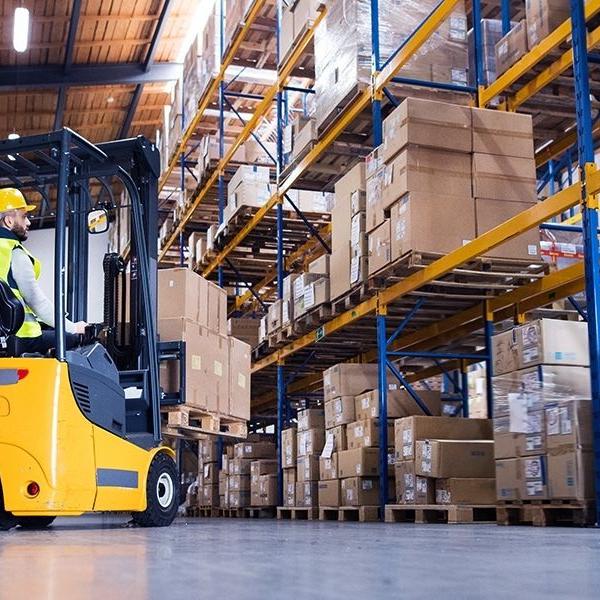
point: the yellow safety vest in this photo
(31, 327)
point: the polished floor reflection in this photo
(97, 557)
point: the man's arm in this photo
(22, 271)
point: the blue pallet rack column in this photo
(382, 344)
(464, 388)
(489, 366)
(478, 46)
(589, 210)
(375, 66)
(505, 11)
(221, 183)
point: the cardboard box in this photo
(412, 488)
(304, 137)
(210, 495)
(320, 265)
(358, 201)
(274, 316)
(362, 462)
(310, 442)
(427, 171)
(255, 450)
(360, 491)
(182, 294)
(339, 411)
(307, 494)
(508, 479)
(239, 498)
(528, 441)
(245, 329)
(365, 434)
(289, 487)
(268, 490)
(505, 178)
(543, 17)
(427, 123)
(347, 379)
(490, 213)
(502, 133)
(311, 418)
(481, 490)
(240, 483)
(307, 468)
(339, 281)
(208, 450)
(328, 468)
(375, 210)
(240, 466)
(316, 294)
(380, 251)
(570, 474)
(415, 220)
(340, 440)
(543, 341)
(455, 458)
(288, 448)
(409, 430)
(263, 467)
(569, 425)
(533, 472)
(359, 268)
(209, 474)
(399, 404)
(512, 47)
(239, 379)
(330, 493)
(217, 308)
(223, 484)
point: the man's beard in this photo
(20, 232)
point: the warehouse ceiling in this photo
(102, 68)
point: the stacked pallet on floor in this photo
(444, 470)
(543, 424)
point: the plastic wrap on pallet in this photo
(235, 14)
(343, 47)
(520, 394)
(491, 34)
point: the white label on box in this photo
(442, 496)
(307, 469)
(409, 496)
(354, 269)
(218, 367)
(359, 431)
(407, 436)
(299, 288)
(422, 485)
(534, 423)
(337, 407)
(349, 494)
(287, 139)
(285, 317)
(530, 355)
(534, 488)
(533, 442)
(367, 440)
(374, 412)
(365, 402)
(309, 296)
(248, 449)
(196, 362)
(532, 250)
(171, 283)
(533, 468)
(359, 469)
(242, 381)
(328, 447)
(400, 230)
(517, 407)
(407, 450)
(303, 421)
(367, 484)
(392, 386)
(409, 481)
(566, 425)
(552, 421)
(206, 470)
(355, 230)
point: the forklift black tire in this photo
(162, 493)
(35, 522)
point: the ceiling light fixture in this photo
(21, 29)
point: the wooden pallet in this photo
(543, 514)
(208, 511)
(440, 513)
(261, 512)
(338, 109)
(349, 513)
(350, 299)
(186, 420)
(298, 513)
(233, 513)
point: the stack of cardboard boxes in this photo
(208, 473)
(240, 483)
(289, 456)
(310, 440)
(217, 368)
(542, 17)
(542, 412)
(444, 460)
(296, 17)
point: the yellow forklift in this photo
(80, 428)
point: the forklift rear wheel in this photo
(162, 493)
(7, 521)
(35, 522)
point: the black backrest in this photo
(12, 313)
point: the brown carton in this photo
(268, 490)
(365, 434)
(339, 282)
(375, 211)
(512, 47)
(330, 493)
(311, 418)
(208, 450)
(412, 488)
(182, 293)
(504, 178)
(426, 123)
(239, 379)
(320, 265)
(360, 491)
(255, 450)
(380, 251)
(339, 411)
(240, 466)
(455, 458)
(307, 494)
(328, 467)
(409, 430)
(415, 222)
(508, 479)
(570, 474)
(209, 474)
(289, 487)
(307, 468)
(217, 308)
(479, 490)
(543, 17)
(347, 379)
(210, 495)
(310, 442)
(490, 213)
(263, 467)
(239, 498)
(245, 329)
(427, 171)
(399, 404)
(569, 425)
(362, 462)
(240, 483)
(533, 473)
(503, 133)
(288, 448)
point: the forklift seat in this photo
(12, 313)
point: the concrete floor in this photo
(96, 557)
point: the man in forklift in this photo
(21, 270)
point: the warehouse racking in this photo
(425, 317)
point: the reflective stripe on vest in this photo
(31, 327)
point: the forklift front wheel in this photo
(162, 493)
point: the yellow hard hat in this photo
(13, 199)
